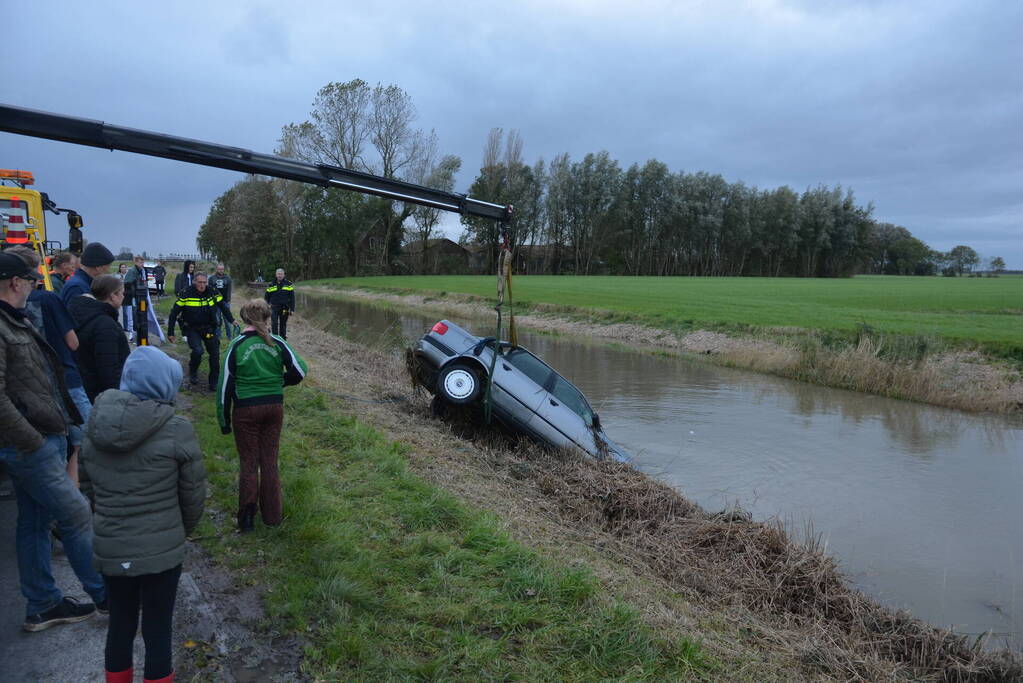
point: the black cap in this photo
(96, 254)
(13, 266)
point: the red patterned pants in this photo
(257, 434)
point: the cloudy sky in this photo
(915, 105)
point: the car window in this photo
(572, 398)
(531, 366)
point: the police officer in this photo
(280, 294)
(198, 306)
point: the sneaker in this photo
(67, 611)
(193, 382)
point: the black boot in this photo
(247, 520)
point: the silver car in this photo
(528, 396)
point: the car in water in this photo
(527, 395)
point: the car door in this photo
(519, 379)
(567, 411)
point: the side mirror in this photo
(596, 421)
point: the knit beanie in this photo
(95, 254)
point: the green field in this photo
(984, 310)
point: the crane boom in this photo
(93, 133)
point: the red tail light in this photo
(440, 328)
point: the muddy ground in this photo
(219, 632)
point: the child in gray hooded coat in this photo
(142, 468)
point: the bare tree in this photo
(364, 128)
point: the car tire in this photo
(458, 384)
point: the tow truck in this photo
(23, 219)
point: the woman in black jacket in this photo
(102, 346)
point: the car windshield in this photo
(531, 366)
(572, 398)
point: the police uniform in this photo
(198, 313)
(280, 294)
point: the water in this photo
(920, 505)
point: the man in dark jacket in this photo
(35, 411)
(184, 279)
(62, 267)
(96, 260)
(280, 294)
(198, 307)
(220, 282)
(51, 319)
(159, 275)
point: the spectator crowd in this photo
(98, 457)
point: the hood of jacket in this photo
(86, 307)
(121, 422)
(151, 375)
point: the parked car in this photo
(528, 396)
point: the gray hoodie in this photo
(142, 467)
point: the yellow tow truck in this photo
(23, 219)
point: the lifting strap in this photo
(504, 277)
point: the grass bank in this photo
(390, 577)
(415, 549)
(897, 337)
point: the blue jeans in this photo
(81, 399)
(45, 492)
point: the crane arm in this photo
(93, 133)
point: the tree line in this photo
(587, 216)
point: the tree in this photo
(909, 256)
(997, 264)
(440, 175)
(368, 129)
(963, 259)
(504, 178)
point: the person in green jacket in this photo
(142, 467)
(257, 367)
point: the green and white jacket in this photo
(255, 374)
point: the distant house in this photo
(436, 257)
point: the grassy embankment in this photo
(392, 567)
(949, 341)
(388, 576)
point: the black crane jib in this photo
(92, 133)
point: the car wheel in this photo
(458, 384)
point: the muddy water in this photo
(920, 505)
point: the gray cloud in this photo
(915, 105)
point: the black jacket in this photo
(198, 311)
(102, 346)
(223, 285)
(183, 280)
(281, 294)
